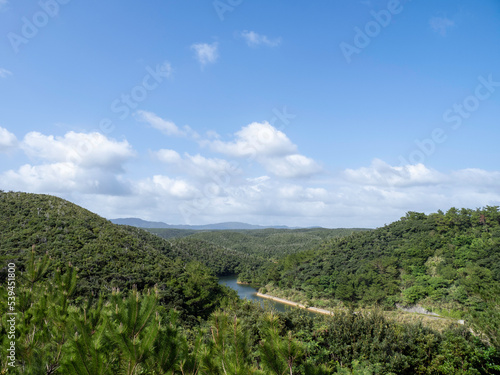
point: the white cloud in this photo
(75, 163)
(8, 140)
(197, 165)
(168, 156)
(198, 189)
(206, 53)
(381, 187)
(259, 180)
(300, 193)
(4, 73)
(256, 139)
(88, 150)
(160, 186)
(380, 173)
(63, 177)
(165, 126)
(364, 197)
(44, 178)
(476, 177)
(269, 147)
(441, 25)
(210, 167)
(253, 39)
(292, 166)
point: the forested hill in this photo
(190, 324)
(273, 243)
(270, 243)
(247, 252)
(106, 255)
(449, 260)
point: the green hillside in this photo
(171, 233)
(449, 261)
(272, 244)
(72, 319)
(106, 255)
(267, 244)
(247, 252)
(221, 260)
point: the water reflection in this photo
(248, 292)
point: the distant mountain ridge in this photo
(139, 223)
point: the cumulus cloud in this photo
(418, 188)
(168, 156)
(4, 73)
(270, 147)
(8, 140)
(382, 174)
(253, 39)
(441, 25)
(88, 150)
(476, 177)
(365, 197)
(291, 166)
(43, 178)
(209, 167)
(90, 170)
(160, 186)
(198, 165)
(301, 193)
(77, 162)
(256, 139)
(63, 177)
(206, 53)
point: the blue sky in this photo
(331, 113)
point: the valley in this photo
(83, 281)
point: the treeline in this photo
(131, 332)
(448, 261)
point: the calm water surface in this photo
(246, 291)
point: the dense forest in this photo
(267, 243)
(247, 252)
(97, 298)
(107, 256)
(448, 261)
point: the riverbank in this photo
(245, 291)
(291, 303)
(437, 323)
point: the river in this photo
(249, 293)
